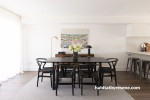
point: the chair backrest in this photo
(65, 65)
(87, 66)
(40, 62)
(112, 62)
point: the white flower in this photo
(70, 47)
(76, 46)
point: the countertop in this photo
(138, 52)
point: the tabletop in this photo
(80, 60)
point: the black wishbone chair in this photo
(43, 70)
(86, 67)
(65, 67)
(90, 73)
(110, 71)
(68, 74)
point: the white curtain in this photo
(10, 45)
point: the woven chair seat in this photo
(107, 69)
(46, 70)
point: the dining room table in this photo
(98, 60)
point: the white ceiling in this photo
(78, 7)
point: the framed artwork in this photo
(68, 34)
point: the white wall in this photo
(133, 43)
(138, 30)
(136, 35)
(107, 40)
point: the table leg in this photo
(53, 76)
(100, 74)
(95, 68)
(141, 64)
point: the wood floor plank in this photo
(11, 86)
(127, 79)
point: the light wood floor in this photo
(10, 87)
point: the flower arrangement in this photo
(76, 45)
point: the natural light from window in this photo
(10, 45)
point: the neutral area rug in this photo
(44, 92)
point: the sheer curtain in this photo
(10, 45)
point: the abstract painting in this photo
(68, 34)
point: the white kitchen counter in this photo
(143, 56)
(141, 53)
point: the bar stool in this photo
(144, 66)
(132, 61)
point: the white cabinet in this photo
(138, 30)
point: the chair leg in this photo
(139, 64)
(144, 70)
(57, 80)
(73, 85)
(115, 81)
(97, 84)
(42, 77)
(115, 78)
(97, 89)
(74, 79)
(127, 65)
(111, 76)
(81, 85)
(51, 79)
(131, 61)
(97, 92)
(141, 69)
(134, 66)
(65, 71)
(56, 90)
(38, 79)
(79, 80)
(102, 78)
(148, 71)
(95, 68)
(78, 70)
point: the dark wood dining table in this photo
(54, 60)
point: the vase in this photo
(75, 56)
